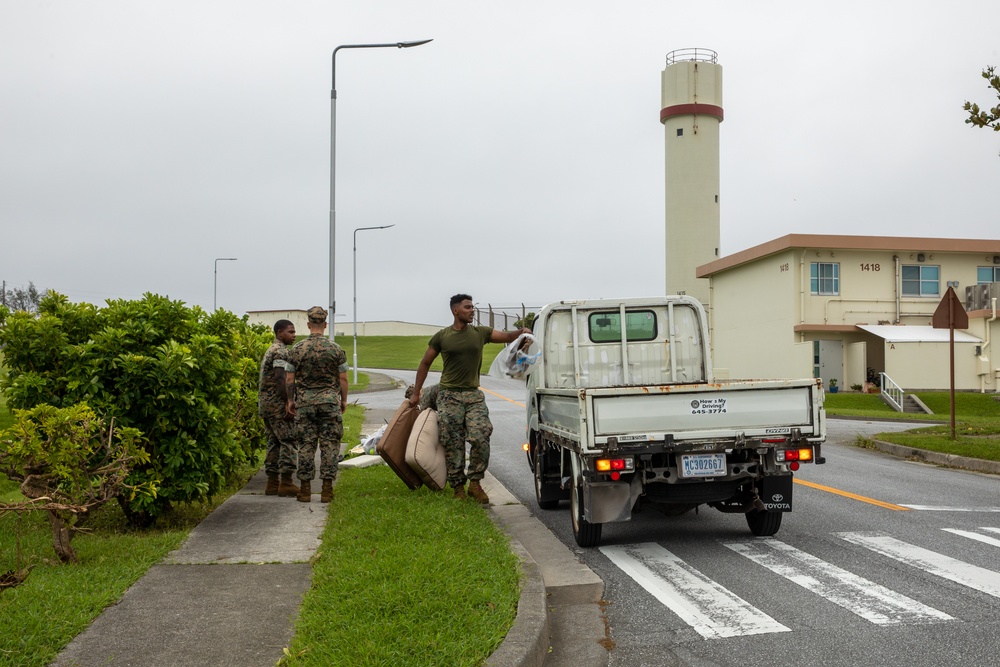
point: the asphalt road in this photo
(882, 562)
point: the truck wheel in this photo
(585, 533)
(540, 483)
(764, 524)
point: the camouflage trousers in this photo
(463, 416)
(282, 448)
(323, 426)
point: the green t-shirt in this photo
(462, 354)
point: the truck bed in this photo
(682, 412)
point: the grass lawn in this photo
(405, 578)
(977, 421)
(401, 352)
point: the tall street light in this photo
(333, 161)
(215, 288)
(359, 229)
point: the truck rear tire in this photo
(585, 533)
(540, 483)
(764, 524)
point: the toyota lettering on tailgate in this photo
(708, 406)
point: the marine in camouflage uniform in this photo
(319, 368)
(461, 405)
(271, 403)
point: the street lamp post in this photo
(215, 287)
(333, 160)
(359, 229)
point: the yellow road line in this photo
(853, 496)
(509, 400)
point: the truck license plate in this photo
(703, 465)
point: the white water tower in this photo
(691, 112)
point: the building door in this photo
(828, 361)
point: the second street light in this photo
(359, 229)
(333, 159)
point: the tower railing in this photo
(689, 55)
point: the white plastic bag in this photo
(368, 446)
(512, 361)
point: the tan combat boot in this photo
(286, 487)
(272, 484)
(476, 493)
(326, 494)
(460, 492)
(305, 493)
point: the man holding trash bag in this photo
(461, 405)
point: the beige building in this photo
(376, 328)
(838, 307)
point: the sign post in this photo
(951, 315)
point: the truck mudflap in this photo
(776, 493)
(608, 502)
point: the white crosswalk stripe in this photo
(865, 598)
(972, 576)
(709, 608)
(713, 611)
(985, 539)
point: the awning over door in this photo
(916, 334)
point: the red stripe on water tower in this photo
(691, 110)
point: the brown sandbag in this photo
(392, 446)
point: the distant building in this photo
(376, 328)
(836, 306)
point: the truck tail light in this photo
(615, 466)
(804, 455)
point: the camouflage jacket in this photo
(269, 401)
(317, 363)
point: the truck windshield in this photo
(606, 327)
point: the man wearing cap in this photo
(272, 397)
(461, 405)
(317, 397)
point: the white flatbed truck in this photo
(625, 416)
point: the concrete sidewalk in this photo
(229, 596)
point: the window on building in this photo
(824, 278)
(921, 280)
(988, 274)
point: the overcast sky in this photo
(519, 155)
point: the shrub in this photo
(185, 378)
(68, 463)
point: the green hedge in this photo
(185, 378)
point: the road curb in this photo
(527, 641)
(938, 458)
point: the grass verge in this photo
(405, 578)
(977, 422)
